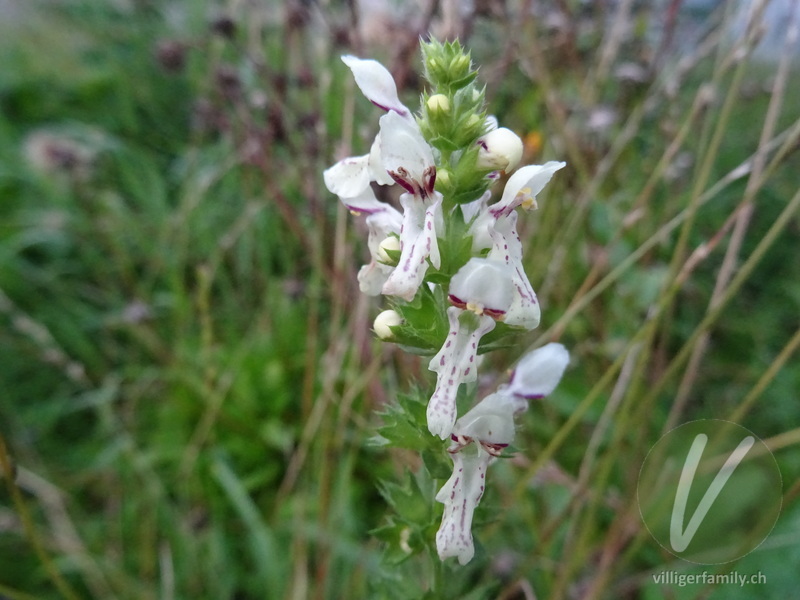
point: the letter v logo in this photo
(679, 538)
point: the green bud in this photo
(447, 65)
(459, 66)
(473, 122)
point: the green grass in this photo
(188, 378)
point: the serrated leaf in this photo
(406, 499)
(424, 324)
(437, 464)
(501, 337)
(444, 144)
(403, 427)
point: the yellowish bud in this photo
(500, 149)
(390, 244)
(438, 103)
(383, 323)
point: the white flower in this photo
(455, 364)
(460, 495)
(499, 150)
(409, 161)
(351, 176)
(418, 244)
(490, 425)
(523, 186)
(491, 421)
(482, 286)
(495, 227)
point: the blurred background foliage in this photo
(188, 380)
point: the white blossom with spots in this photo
(455, 363)
(480, 435)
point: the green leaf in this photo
(425, 325)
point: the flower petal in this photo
(523, 186)
(365, 203)
(349, 177)
(507, 248)
(455, 364)
(491, 420)
(376, 83)
(377, 172)
(539, 372)
(483, 285)
(381, 224)
(404, 148)
(418, 243)
(460, 496)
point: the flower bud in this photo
(390, 244)
(473, 121)
(384, 322)
(460, 66)
(438, 104)
(443, 177)
(500, 150)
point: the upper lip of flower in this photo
(483, 286)
(376, 83)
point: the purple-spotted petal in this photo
(460, 496)
(507, 249)
(418, 244)
(376, 83)
(539, 372)
(455, 363)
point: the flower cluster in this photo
(451, 252)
